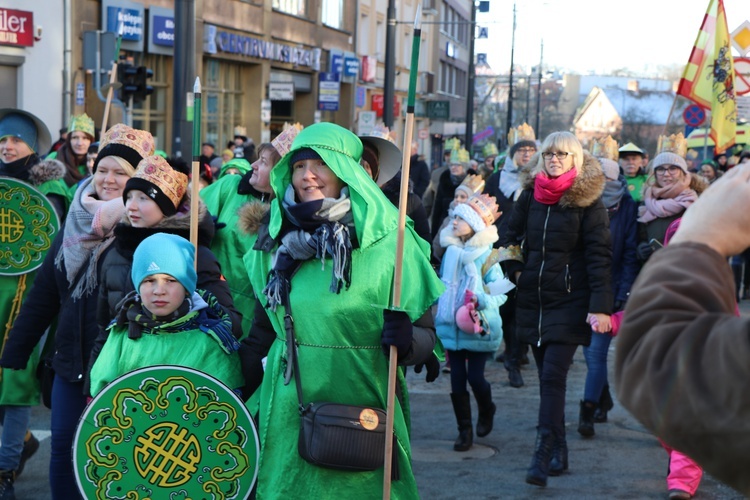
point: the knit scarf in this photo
(88, 231)
(321, 228)
(613, 192)
(20, 169)
(659, 202)
(548, 190)
(509, 182)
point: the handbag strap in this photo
(291, 343)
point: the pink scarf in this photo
(666, 201)
(548, 190)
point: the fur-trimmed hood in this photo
(586, 189)
(250, 216)
(46, 170)
(487, 236)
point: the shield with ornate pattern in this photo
(166, 432)
(28, 225)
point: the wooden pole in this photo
(196, 171)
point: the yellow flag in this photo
(708, 79)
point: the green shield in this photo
(28, 225)
(166, 432)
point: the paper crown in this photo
(283, 142)
(486, 206)
(605, 148)
(524, 132)
(240, 130)
(82, 123)
(472, 183)
(489, 149)
(140, 141)
(452, 144)
(170, 183)
(675, 143)
(459, 156)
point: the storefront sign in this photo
(351, 66)
(359, 97)
(233, 43)
(281, 91)
(162, 32)
(369, 68)
(128, 22)
(366, 122)
(337, 63)
(438, 110)
(377, 105)
(16, 27)
(328, 92)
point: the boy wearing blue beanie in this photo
(165, 320)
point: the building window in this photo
(452, 80)
(293, 7)
(151, 114)
(363, 34)
(380, 40)
(222, 100)
(454, 24)
(333, 13)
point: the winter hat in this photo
(82, 123)
(480, 212)
(160, 182)
(132, 145)
(668, 158)
(610, 168)
(522, 144)
(25, 126)
(164, 253)
(303, 154)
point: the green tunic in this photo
(230, 244)
(339, 335)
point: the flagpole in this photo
(398, 268)
(196, 173)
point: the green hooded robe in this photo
(339, 335)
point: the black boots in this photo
(605, 404)
(559, 462)
(462, 409)
(539, 468)
(7, 478)
(486, 411)
(586, 419)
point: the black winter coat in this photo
(568, 259)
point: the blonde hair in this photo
(565, 142)
(123, 163)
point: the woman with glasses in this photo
(669, 191)
(559, 233)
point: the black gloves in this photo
(218, 225)
(397, 332)
(433, 368)
(644, 250)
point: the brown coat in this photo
(683, 360)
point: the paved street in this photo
(621, 461)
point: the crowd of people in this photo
(537, 248)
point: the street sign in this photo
(328, 91)
(742, 75)
(424, 133)
(694, 115)
(106, 49)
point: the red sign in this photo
(377, 105)
(16, 27)
(694, 115)
(369, 68)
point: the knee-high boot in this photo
(539, 468)
(487, 409)
(462, 409)
(559, 462)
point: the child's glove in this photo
(397, 331)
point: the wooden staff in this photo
(397, 271)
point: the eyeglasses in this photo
(524, 151)
(672, 169)
(559, 155)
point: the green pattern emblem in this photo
(166, 432)
(28, 225)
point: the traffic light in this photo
(126, 75)
(143, 89)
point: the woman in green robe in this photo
(328, 209)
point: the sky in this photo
(598, 36)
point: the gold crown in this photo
(474, 183)
(489, 149)
(524, 132)
(452, 144)
(605, 148)
(82, 123)
(459, 156)
(283, 142)
(158, 172)
(675, 143)
(486, 206)
(140, 141)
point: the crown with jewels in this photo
(675, 143)
(605, 148)
(474, 183)
(486, 206)
(82, 123)
(283, 142)
(523, 132)
(460, 156)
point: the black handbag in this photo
(337, 436)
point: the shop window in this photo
(333, 13)
(293, 7)
(222, 101)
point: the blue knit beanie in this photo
(304, 154)
(20, 126)
(164, 253)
